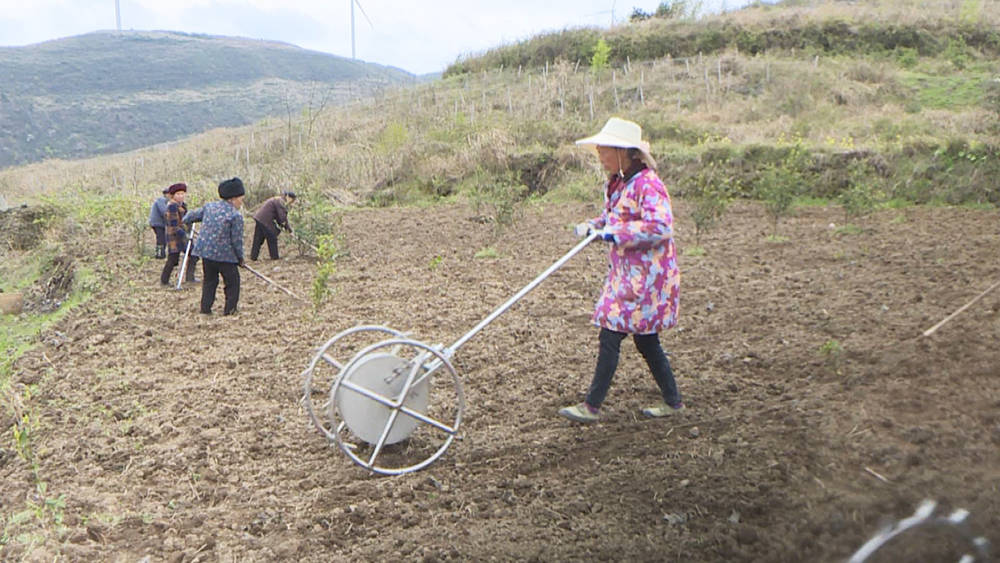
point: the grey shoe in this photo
(580, 413)
(663, 409)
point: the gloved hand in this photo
(606, 236)
(242, 263)
(581, 230)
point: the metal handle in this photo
(187, 253)
(524, 291)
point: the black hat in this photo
(231, 188)
(165, 190)
(290, 194)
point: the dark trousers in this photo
(161, 240)
(172, 261)
(607, 362)
(260, 234)
(211, 270)
(161, 235)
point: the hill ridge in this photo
(105, 92)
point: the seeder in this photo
(397, 404)
(927, 516)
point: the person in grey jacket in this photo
(158, 223)
(220, 245)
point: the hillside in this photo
(832, 201)
(813, 27)
(103, 92)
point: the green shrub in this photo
(498, 199)
(674, 9)
(957, 52)
(710, 190)
(907, 57)
(327, 252)
(599, 61)
(971, 11)
(863, 192)
(777, 187)
(833, 355)
(779, 184)
(313, 217)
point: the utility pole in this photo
(353, 2)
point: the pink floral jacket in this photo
(642, 291)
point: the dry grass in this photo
(916, 12)
(432, 138)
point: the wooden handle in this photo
(931, 330)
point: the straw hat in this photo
(620, 133)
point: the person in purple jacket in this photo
(220, 245)
(641, 293)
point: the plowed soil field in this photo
(817, 411)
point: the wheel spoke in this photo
(381, 399)
(427, 420)
(332, 361)
(381, 439)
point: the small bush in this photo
(711, 190)
(777, 187)
(907, 57)
(780, 184)
(599, 61)
(957, 52)
(832, 353)
(498, 199)
(313, 218)
(327, 252)
(863, 192)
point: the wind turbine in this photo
(353, 2)
(118, 17)
(602, 12)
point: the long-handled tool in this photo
(272, 282)
(303, 242)
(931, 330)
(187, 254)
(385, 394)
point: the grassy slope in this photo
(103, 92)
(924, 124)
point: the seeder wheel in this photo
(403, 398)
(326, 367)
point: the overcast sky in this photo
(419, 36)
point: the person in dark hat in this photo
(156, 222)
(176, 235)
(220, 245)
(270, 218)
